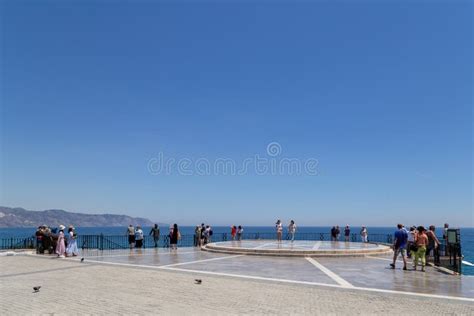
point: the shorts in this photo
(401, 251)
(131, 239)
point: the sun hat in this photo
(62, 227)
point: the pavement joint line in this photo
(140, 255)
(264, 245)
(387, 259)
(322, 284)
(286, 281)
(329, 273)
(199, 261)
(317, 245)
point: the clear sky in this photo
(378, 92)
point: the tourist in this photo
(411, 241)
(203, 234)
(138, 237)
(433, 244)
(39, 240)
(209, 233)
(399, 246)
(338, 233)
(279, 230)
(240, 230)
(60, 244)
(364, 234)
(131, 236)
(347, 233)
(174, 237)
(333, 233)
(197, 236)
(292, 230)
(233, 232)
(421, 242)
(71, 249)
(155, 232)
(445, 239)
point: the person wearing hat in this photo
(60, 245)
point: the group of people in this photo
(136, 235)
(291, 230)
(55, 240)
(202, 235)
(336, 233)
(236, 232)
(416, 243)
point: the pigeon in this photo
(198, 281)
(82, 259)
(36, 288)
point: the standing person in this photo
(399, 246)
(279, 230)
(203, 234)
(39, 240)
(433, 244)
(364, 234)
(347, 233)
(209, 233)
(138, 237)
(333, 233)
(72, 249)
(411, 241)
(174, 237)
(233, 232)
(197, 236)
(292, 230)
(60, 245)
(445, 239)
(131, 236)
(421, 241)
(155, 232)
(240, 230)
(338, 233)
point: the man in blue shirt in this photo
(399, 246)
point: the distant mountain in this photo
(19, 217)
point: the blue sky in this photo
(379, 93)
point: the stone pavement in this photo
(71, 287)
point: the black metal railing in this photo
(110, 242)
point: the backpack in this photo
(210, 232)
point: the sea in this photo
(467, 234)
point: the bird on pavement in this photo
(198, 281)
(82, 259)
(36, 288)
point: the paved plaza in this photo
(159, 281)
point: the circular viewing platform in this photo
(297, 248)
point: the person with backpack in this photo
(399, 246)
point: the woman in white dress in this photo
(72, 249)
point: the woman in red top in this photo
(233, 231)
